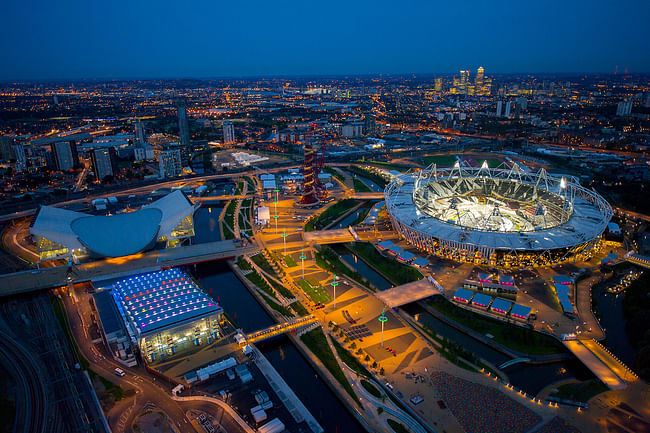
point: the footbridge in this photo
(280, 328)
(637, 259)
(45, 278)
(368, 196)
(513, 362)
(601, 362)
(409, 292)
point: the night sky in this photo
(48, 39)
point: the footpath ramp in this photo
(602, 370)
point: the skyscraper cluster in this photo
(463, 85)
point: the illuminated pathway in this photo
(608, 369)
(409, 292)
(44, 278)
(281, 328)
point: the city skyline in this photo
(210, 40)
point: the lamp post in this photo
(284, 239)
(382, 319)
(334, 283)
(276, 210)
(302, 261)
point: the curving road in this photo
(149, 390)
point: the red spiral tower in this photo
(309, 184)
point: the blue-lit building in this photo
(167, 313)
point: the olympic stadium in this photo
(508, 217)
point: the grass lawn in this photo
(492, 162)
(396, 272)
(256, 279)
(440, 160)
(396, 426)
(515, 337)
(229, 220)
(327, 258)
(370, 175)
(113, 389)
(350, 360)
(334, 173)
(316, 342)
(59, 312)
(372, 389)
(330, 214)
(316, 293)
(359, 186)
(582, 391)
(299, 308)
(281, 289)
(289, 261)
(279, 308)
(243, 264)
(261, 261)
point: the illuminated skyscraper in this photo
(464, 77)
(183, 127)
(499, 108)
(438, 85)
(480, 76)
(228, 132)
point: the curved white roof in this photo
(118, 235)
(114, 235)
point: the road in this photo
(149, 389)
(149, 188)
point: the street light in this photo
(284, 239)
(382, 319)
(276, 210)
(334, 283)
(302, 261)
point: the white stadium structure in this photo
(61, 233)
(510, 217)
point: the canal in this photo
(532, 378)
(372, 185)
(206, 224)
(610, 309)
(224, 286)
(348, 220)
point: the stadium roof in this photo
(157, 300)
(590, 216)
(115, 235)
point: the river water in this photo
(224, 286)
(613, 322)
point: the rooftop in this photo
(157, 300)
